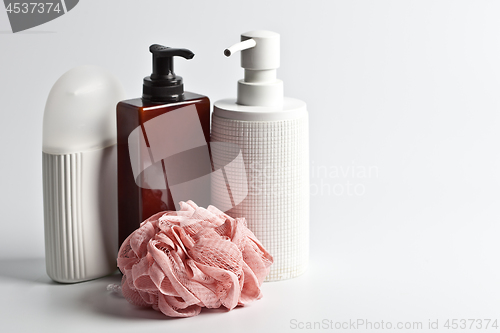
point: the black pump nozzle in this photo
(163, 62)
(163, 85)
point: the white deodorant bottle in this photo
(79, 175)
(272, 133)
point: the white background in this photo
(407, 89)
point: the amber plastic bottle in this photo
(143, 180)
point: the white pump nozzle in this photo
(246, 44)
(260, 57)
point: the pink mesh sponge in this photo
(179, 262)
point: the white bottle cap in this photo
(80, 113)
(260, 57)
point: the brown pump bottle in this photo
(162, 144)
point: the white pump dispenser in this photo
(261, 59)
(272, 133)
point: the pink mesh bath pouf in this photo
(179, 262)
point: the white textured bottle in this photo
(79, 175)
(272, 133)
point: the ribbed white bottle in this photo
(272, 133)
(79, 175)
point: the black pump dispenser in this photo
(163, 85)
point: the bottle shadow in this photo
(26, 269)
(91, 295)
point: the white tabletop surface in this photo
(346, 283)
